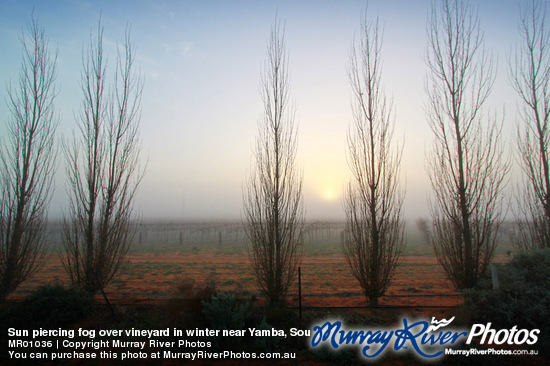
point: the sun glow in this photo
(327, 186)
(329, 194)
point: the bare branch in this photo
(373, 201)
(27, 162)
(530, 77)
(103, 168)
(273, 204)
(466, 165)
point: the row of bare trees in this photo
(273, 203)
(466, 163)
(102, 165)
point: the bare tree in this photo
(103, 168)
(466, 165)
(530, 77)
(27, 162)
(273, 204)
(373, 200)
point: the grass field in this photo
(163, 254)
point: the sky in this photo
(201, 63)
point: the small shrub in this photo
(265, 344)
(523, 299)
(224, 313)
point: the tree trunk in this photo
(373, 301)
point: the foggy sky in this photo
(201, 63)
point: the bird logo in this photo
(436, 324)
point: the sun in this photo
(326, 185)
(329, 194)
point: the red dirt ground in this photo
(326, 279)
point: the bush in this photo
(265, 344)
(224, 313)
(49, 307)
(523, 298)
